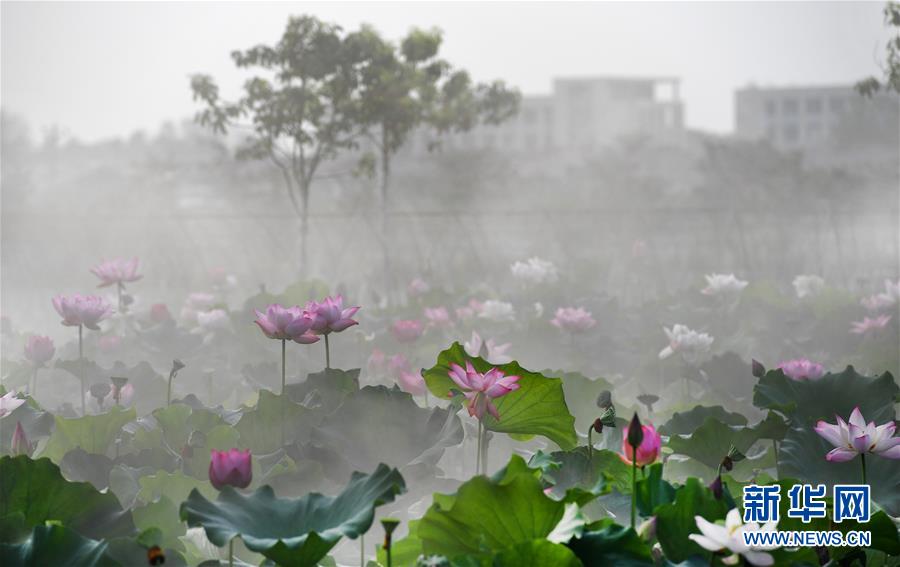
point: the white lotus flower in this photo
(534, 271)
(687, 342)
(723, 284)
(892, 289)
(488, 350)
(716, 537)
(497, 310)
(808, 285)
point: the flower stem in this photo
(327, 354)
(590, 449)
(169, 390)
(862, 459)
(362, 550)
(231, 552)
(283, 351)
(478, 451)
(34, 381)
(633, 487)
(81, 365)
(775, 448)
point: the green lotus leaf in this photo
(34, 491)
(809, 401)
(92, 433)
(607, 543)
(581, 395)
(652, 490)
(573, 469)
(150, 386)
(536, 553)
(35, 422)
(802, 456)
(489, 515)
(80, 466)
(293, 532)
(324, 390)
(176, 486)
(163, 515)
(406, 436)
(710, 442)
(684, 423)
(261, 428)
(58, 546)
(675, 521)
(538, 407)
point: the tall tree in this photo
(891, 79)
(302, 109)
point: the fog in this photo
(637, 157)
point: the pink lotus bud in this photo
(412, 383)
(159, 313)
(801, 369)
(438, 317)
(417, 288)
(230, 468)
(377, 363)
(407, 330)
(109, 343)
(20, 444)
(39, 349)
(648, 443)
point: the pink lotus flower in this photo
(438, 317)
(473, 308)
(230, 468)
(109, 343)
(489, 350)
(573, 320)
(480, 389)
(412, 383)
(329, 315)
(407, 330)
(8, 403)
(19, 444)
(801, 369)
(159, 313)
(39, 349)
(859, 438)
(878, 302)
(375, 365)
(125, 393)
(87, 310)
(397, 364)
(417, 287)
(868, 325)
(647, 451)
(116, 271)
(286, 324)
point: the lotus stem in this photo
(362, 550)
(34, 381)
(633, 486)
(231, 552)
(775, 448)
(327, 354)
(862, 459)
(169, 390)
(478, 451)
(283, 354)
(81, 365)
(590, 449)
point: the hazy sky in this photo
(107, 69)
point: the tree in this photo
(408, 86)
(891, 79)
(301, 114)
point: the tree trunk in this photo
(304, 229)
(385, 237)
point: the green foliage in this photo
(261, 428)
(325, 390)
(536, 553)
(565, 470)
(93, 433)
(293, 532)
(652, 490)
(538, 407)
(675, 520)
(607, 543)
(685, 423)
(58, 546)
(710, 442)
(33, 492)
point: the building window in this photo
(771, 133)
(771, 108)
(789, 106)
(813, 106)
(837, 105)
(790, 133)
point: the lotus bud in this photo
(647, 530)
(20, 444)
(230, 468)
(598, 425)
(604, 400)
(716, 487)
(757, 368)
(635, 432)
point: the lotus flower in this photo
(125, 394)
(329, 315)
(20, 444)
(859, 438)
(438, 317)
(801, 369)
(730, 537)
(286, 324)
(211, 321)
(87, 310)
(412, 382)
(159, 313)
(495, 310)
(534, 271)
(723, 284)
(116, 271)
(417, 287)
(8, 403)
(480, 389)
(689, 343)
(868, 325)
(573, 320)
(878, 301)
(407, 330)
(397, 364)
(647, 450)
(230, 468)
(39, 350)
(469, 311)
(376, 363)
(892, 288)
(109, 343)
(808, 285)
(488, 350)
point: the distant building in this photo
(803, 118)
(580, 113)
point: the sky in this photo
(102, 70)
